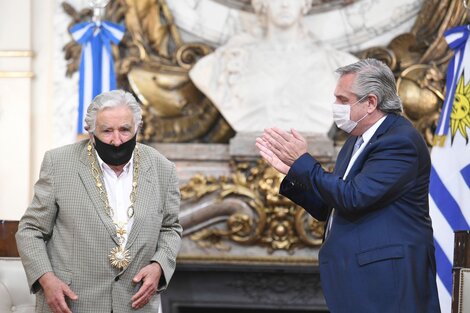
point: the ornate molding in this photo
(14, 74)
(153, 62)
(253, 259)
(318, 6)
(283, 288)
(175, 111)
(262, 217)
(16, 53)
(419, 60)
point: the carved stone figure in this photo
(278, 76)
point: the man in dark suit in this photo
(378, 253)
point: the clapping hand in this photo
(280, 148)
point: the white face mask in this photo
(342, 116)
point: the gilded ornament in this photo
(153, 62)
(119, 257)
(121, 231)
(175, 111)
(274, 221)
(130, 211)
(419, 58)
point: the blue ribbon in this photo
(96, 63)
(457, 40)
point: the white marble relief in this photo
(280, 76)
(349, 28)
(360, 25)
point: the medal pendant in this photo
(119, 257)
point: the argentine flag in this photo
(96, 62)
(449, 190)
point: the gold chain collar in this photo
(119, 256)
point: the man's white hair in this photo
(111, 99)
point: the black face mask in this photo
(113, 155)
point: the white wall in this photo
(16, 54)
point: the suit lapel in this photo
(383, 128)
(90, 186)
(344, 157)
(145, 187)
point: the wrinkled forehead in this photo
(115, 116)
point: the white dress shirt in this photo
(366, 136)
(119, 189)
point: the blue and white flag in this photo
(96, 62)
(449, 191)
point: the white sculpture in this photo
(281, 77)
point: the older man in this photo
(378, 254)
(102, 231)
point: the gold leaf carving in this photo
(274, 221)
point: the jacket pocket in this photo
(380, 254)
(64, 276)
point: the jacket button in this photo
(116, 278)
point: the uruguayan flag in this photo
(96, 63)
(449, 192)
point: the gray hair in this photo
(260, 6)
(374, 77)
(111, 99)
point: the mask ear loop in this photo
(357, 122)
(360, 100)
(362, 118)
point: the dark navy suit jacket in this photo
(379, 255)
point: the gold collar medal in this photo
(119, 257)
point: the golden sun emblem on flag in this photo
(460, 116)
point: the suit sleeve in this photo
(302, 193)
(170, 234)
(36, 226)
(389, 170)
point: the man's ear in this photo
(372, 103)
(90, 135)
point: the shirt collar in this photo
(371, 131)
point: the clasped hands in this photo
(281, 148)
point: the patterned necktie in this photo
(358, 144)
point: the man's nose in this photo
(116, 139)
